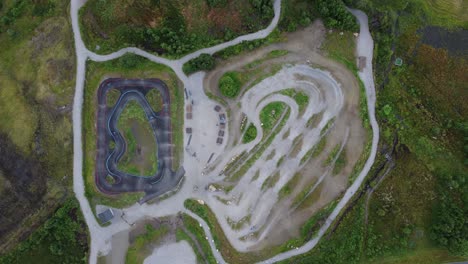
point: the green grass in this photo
(129, 66)
(340, 162)
(229, 84)
(144, 244)
(154, 99)
(259, 149)
(112, 97)
(194, 228)
(133, 120)
(331, 156)
(170, 28)
(315, 151)
(271, 181)
(288, 188)
(270, 115)
(63, 238)
(299, 198)
(37, 76)
(300, 97)
(250, 134)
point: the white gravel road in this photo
(101, 236)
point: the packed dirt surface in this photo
(333, 98)
(329, 101)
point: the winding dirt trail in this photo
(100, 237)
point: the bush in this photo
(229, 85)
(335, 15)
(204, 62)
(250, 134)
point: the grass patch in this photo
(169, 28)
(271, 181)
(128, 66)
(155, 100)
(270, 115)
(62, 238)
(340, 163)
(229, 84)
(315, 151)
(144, 244)
(140, 156)
(288, 188)
(259, 149)
(112, 97)
(194, 228)
(250, 134)
(302, 99)
(299, 198)
(331, 156)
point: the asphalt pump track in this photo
(165, 179)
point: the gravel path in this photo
(100, 236)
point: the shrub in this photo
(204, 62)
(229, 85)
(250, 134)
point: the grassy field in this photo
(193, 227)
(63, 238)
(140, 157)
(37, 67)
(144, 244)
(169, 28)
(129, 66)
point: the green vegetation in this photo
(155, 100)
(340, 162)
(239, 224)
(230, 85)
(144, 244)
(313, 224)
(62, 239)
(37, 67)
(122, 68)
(250, 134)
(271, 181)
(296, 13)
(169, 28)
(194, 229)
(300, 97)
(300, 197)
(257, 152)
(417, 210)
(332, 155)
(341, 48)
(289, 186)
(270, 115)
(315, 151)
(204, 62)
(335, 15)
(112, 97)
(280, 161)
(140, 157)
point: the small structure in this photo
(188, 130)
(217, 108)
(222, 118)
(188, 115)
(398, 61)
(106, 216)
(222, 126)
(219, 141)
(221, 133)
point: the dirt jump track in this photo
(164, 179)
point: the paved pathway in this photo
(100, 236)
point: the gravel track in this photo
(100, 236)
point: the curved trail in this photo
(100, 236)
